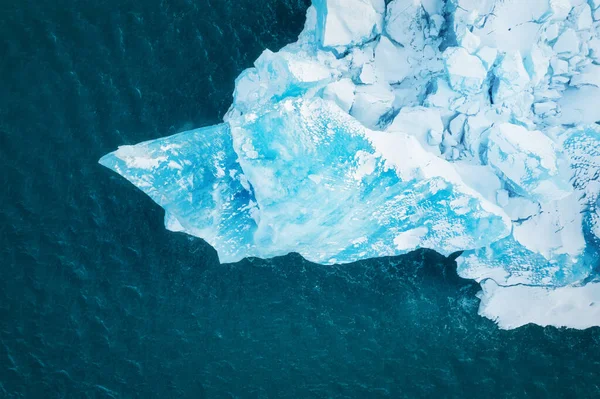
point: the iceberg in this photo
(466, 127)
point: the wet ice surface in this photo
(387, 128)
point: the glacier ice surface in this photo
(455, 125)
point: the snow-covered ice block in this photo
(466, 72)
(395, 62)
(528, 161)
(368, 75)
(536, 63)
(372, 103)
(560, 9)
(515, 306)
(567, 44)
(405, 23)
(590, 75)
(511, 78)
(510, 25)
(425, 124)
(343, 23)
(520, 209)
(276, 76)
(578, 105)
(488, 56)
(581, 15)
(469, 41)
(481, 178)
(555, 230)
(341, 92)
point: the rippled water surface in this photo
(97, 300)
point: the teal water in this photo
(97, 300)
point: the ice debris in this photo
(454, 125)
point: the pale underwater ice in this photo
(455, 125)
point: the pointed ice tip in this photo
(108, 160)
(104, 159)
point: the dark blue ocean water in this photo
(97, 300)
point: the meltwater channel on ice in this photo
(459, 126)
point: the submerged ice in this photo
(455, 125)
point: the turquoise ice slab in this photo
(310, 179)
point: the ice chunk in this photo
(511, 25)
(502, 197)
(343, 23)
(554, 231)
(278, 75)
(436, 23)
(520, 209)
(476, 131)
(410, 239)
(559, 67)
(590, 75)
(528, 161)
(511, 78)
(469, 41)
(457, 126)
(425, 124)
(368, 75)
(579, 106)
(537, 64)
(405, 23)
(481, 178)
(465, 71)
(433, 7)
(515, 306)
(341, 93)
(488, 56)
(582, 16)
(560, 9)
(371, 103)
(567, 43)
(393, 61)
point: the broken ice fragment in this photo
(465, 71)
(567, 44)
(425, 124)
(529, 162)
(341, 92)
(512, 78)
(393, 61)
(371, 103)
(343, 23)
